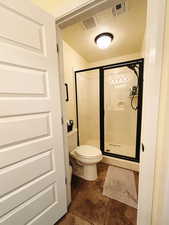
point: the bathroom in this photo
(84, 141)
(103, 104)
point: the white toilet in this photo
(83, 158)
(84, 161)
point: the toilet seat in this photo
(87, 152)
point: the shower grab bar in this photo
(67, 92)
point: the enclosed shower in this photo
(109, 108)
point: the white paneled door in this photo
(32, 176)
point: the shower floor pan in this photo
(121, 149)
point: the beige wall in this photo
(72, 61)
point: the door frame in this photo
(153, 64)
(101, 70)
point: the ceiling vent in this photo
(119, 7)
(89, 23)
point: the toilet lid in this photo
(88, 151)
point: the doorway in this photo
(153, 66)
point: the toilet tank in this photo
(72, 139)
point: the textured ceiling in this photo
(127, 28)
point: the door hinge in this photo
(57, 47)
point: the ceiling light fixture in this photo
(103, 40)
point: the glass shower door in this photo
(121, 92)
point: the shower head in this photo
(133, 67)
(134, 89)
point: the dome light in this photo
(103, 40)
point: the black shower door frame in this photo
(102, 70)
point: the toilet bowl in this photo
(84, 161)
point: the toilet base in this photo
(90, 172)
(86, 172)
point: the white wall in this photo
(161, 189)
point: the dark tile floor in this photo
(90, 207)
